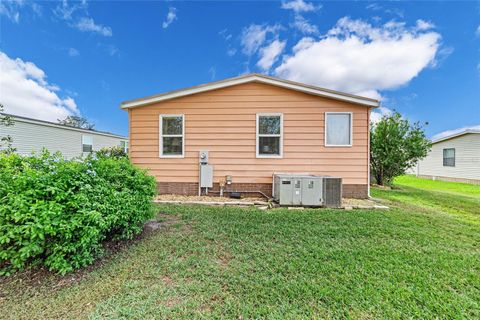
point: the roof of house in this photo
(253, 77)
(456, 134)
(63, 126)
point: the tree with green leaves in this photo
(395, 146)
(77, 122)
(6, 141)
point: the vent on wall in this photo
(332, 192)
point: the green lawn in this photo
(421, 259)
(440, 186)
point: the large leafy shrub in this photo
(395, 145)
(111, 152)
(57, 213)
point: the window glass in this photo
(269, 135)
(172, 146)
(124, 145)
(87, 143)
(449, 157)
(338, 129)
(269, 145)
(172, 125)
(269, 125)
(172, 136)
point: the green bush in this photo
(111, 152)
(57, 213)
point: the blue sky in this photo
(60, 58)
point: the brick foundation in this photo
(359, 191)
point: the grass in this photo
(418, 260)
(456, 188)
(457, 199)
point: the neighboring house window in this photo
(172, 135)
(449, 157)
(124, 146)
(87, 143)
(338, 129)
(269, 135)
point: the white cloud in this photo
(477, 32)
(110, 49)
(299, 6)
(231, 52)
(424, 25)
(65, 11)
(171, 16)
(86, 24)
(299, 22)
(454, 131)
(225, 34)
(356, 57)
(213, 73)
(302, 24)
(72, 52)
(78, 17)
(254, 36)
(378, 113)
(26, 92)
(11, 9)
(269, 54)
(374, 6)
(392, 11)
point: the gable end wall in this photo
(224, 123)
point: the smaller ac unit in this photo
(332, 192)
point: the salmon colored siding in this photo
(223, 122)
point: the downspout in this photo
(368, 151)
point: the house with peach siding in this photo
(252, 127)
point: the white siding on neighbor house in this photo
(31, 137)
(467, 158)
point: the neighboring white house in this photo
(453, 158)
(31, 135)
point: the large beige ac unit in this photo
(307, 190)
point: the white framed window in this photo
(338, 129)
(449, 157)
(124, 145)
(87, 143)
(269, 135)
(172, 138)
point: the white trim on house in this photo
(458, 134)
(62, 126)
(337, 95)
(257, 136)
(161, 136)
(368, 152)
(351, 130)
